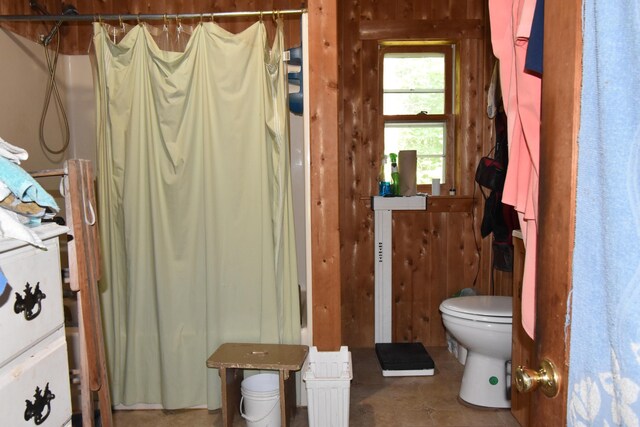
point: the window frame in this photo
(447, 48)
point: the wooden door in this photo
(558, 158)
(523, 347)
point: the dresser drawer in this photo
(34, 390)
(32, 308)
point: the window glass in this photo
(414, 83)
(417, 106)
(428, 139)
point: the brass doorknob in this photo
(546, 378)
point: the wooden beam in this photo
(413, 29)
(325, 230)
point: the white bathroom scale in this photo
(407, 359)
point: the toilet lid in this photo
(482, 308)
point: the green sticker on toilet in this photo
(493, 380)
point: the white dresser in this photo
(34, 372)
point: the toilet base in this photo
(484, 382)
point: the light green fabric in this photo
(195, 208)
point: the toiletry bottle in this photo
(382, 190)
(395, 176)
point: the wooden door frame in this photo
(561, 86)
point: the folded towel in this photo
(11, 226)
(29, 209)
(12, 153)
(23, 186)
(4, 191)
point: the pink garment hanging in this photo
(510, 28)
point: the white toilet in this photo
(482, 324)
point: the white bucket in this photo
(260, 402)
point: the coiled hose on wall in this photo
(52, 89)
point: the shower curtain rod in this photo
(146, 17)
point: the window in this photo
(417, 106)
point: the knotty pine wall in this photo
(434, 252)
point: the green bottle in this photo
(395, 176)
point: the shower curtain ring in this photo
(138, 19)
(201, 17)
(213, 17)
(260, 16)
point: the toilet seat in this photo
(493, 309)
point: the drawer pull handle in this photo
(29, 305)
(42, 401)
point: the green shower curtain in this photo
(195, 208)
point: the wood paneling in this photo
(356, 255)
(419, 29)
(435, 252)
(450, 204)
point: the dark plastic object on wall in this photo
(295, 78)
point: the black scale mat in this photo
(404, 359)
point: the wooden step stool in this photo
(232, 358)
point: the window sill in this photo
(445, 203)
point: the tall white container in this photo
(327, 375)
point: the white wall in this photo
(23, 83)
(300, 182)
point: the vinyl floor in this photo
(374, 401)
